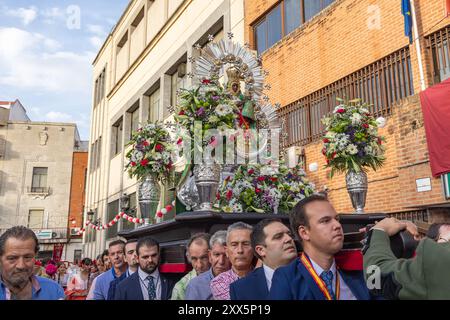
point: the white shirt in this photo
(345, 292)
(144, 283)
(268, 272)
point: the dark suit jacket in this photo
(130, 288)
(251, 287)
(293, 282)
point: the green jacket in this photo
(426, 276)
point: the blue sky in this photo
(46, 53)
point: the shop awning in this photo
(436, 114)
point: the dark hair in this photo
(199, 237)
(104, 253)
(116, 242)
(433, 231)
(147, 242)
(18, 232)
(298, 216)
(86, 261)
(258, 236)
(131, 241)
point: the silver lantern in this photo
(357, 189)
(207, 178)
(149, 193)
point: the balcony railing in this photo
(38, 190)
(380, 84)
(438, 45)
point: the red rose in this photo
(229, 194)
(159, 147)
(251, 171)
(159, 214)
(334, 155)
(206, 81)
(380, 141)
(169, 165)
(365, 125)
(144, 162)
(145, 143)
(340, 110)
(274, 179)
(228, 178)
(324, 151)
(169, 208)
(218, 196)
(328, 161)
(326, 140)
(257, 190)
(181, 113)
(261, 179)
(133, 164)
(179, 141)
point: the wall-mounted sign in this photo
(446, 185)
(423, 184)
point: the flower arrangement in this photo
(351, 141)
(150, 153)
(260, 188)
(209, 105)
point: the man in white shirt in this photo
(147, 283)
(274, 245)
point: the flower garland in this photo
(124, 216)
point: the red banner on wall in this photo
(57, 251)
(436, 115)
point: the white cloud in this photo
(32, 61)
(96, 42)
(96, 30)
(27, 15)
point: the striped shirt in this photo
(220, 285)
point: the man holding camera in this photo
(425, 276)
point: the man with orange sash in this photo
(315, 275)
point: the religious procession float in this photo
(221, 153)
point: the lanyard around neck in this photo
(318, 280)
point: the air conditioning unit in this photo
(74, 231)
(181, 70)
(44, 234)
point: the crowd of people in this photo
(244, 262)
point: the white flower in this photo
(364, 110)
(223, 110)
(368, 150)
(381, 122)
(352, 149)
(137, 156)
(150, 126)
(356, 119)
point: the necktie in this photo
(327, 277)
(151, 288)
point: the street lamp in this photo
(90, 214)
(124, 202)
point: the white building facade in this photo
(137, 72)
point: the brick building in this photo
(316, 51)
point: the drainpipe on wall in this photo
(418, 47)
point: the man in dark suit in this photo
(315, 276)
(147, 283)
(274, 245)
